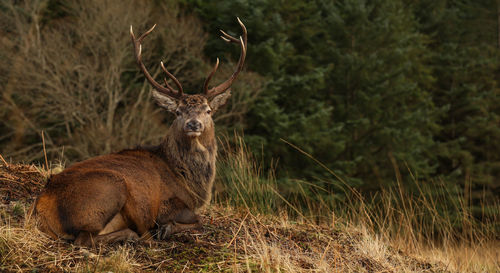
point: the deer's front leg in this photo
(175, 217)
(165, 231)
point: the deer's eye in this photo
(209, 111)
(178, 113)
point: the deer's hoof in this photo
(164, 232)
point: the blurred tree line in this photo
(375, 90)
(378, 91)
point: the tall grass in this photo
(242, 181)
(416, 216)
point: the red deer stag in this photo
(122, 196)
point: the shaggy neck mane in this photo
(193, 161)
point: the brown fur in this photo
(119, 196)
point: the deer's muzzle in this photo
(193, 128)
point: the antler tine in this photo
(169, 91)
(244, 31)
(205, 85)
(243, 44)
(144, 34)
(177, 83)
(228, 38)
(166, 84)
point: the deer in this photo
(125, 196)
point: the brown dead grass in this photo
(20, 182)
(231, 240)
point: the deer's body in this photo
(124, 195)
(141, 187)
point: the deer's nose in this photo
(193, 125)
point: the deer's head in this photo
(194, 112)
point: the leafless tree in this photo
(74, 78)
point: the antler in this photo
(168, 90)
(225, 85)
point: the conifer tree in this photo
(346, 84)
(465, 63)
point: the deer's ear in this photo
(219, 100)
(165, 101)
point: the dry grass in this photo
(231, 240)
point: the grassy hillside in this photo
(232, 239)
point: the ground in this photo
(231, 240)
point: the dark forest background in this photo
(380, 92)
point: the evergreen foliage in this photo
(347, 85)
(464, 43)
(376, 90)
